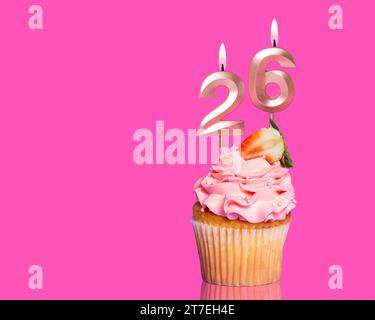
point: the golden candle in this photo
(260, 77)
(213, 122)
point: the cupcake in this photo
(243, 212)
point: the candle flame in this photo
(274, 33)
(222, 57)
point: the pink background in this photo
(73, 201)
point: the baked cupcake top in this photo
(255, 190)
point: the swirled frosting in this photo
(251, 190)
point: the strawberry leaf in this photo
(286, 160)
(274, 125)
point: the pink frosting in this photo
(251, 190)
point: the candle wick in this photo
(274, 42)
(222, 67)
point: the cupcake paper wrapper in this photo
(240, 257)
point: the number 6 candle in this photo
(260, 77)
(212, 123)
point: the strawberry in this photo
(266, 142)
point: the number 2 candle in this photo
(212, 123)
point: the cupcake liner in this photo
(263, 292)
(240, 256)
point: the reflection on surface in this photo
(216, 292)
